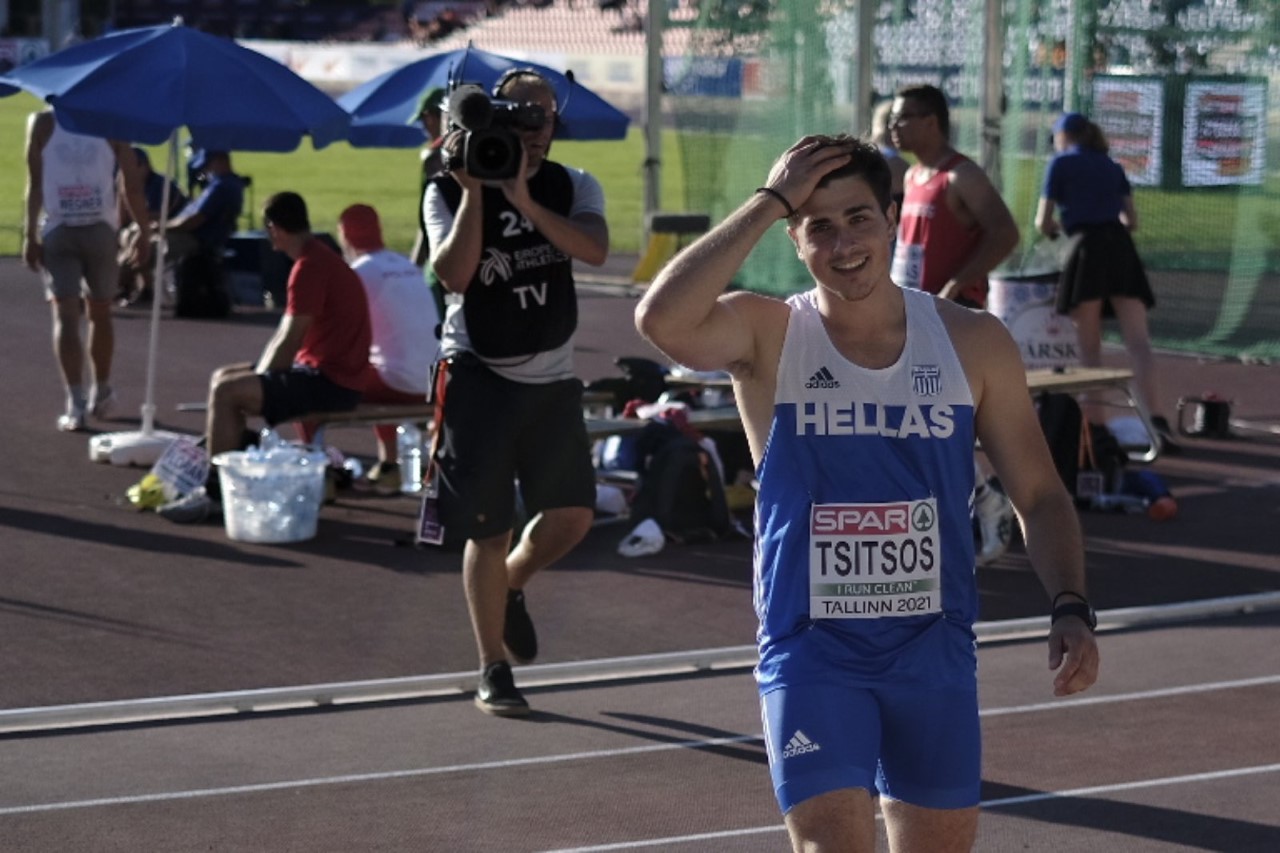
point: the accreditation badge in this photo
(430, 528)
(873, 560)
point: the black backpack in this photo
(681, 489)
(1075, 451)
(1061, 421)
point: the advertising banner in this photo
(1130, 110)
(1224, 134)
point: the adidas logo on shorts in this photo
(799, 745)
(822, 379)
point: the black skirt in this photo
(1104, 263)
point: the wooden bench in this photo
(421, 414)
(370, 414)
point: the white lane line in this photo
(375, 777)
(986, 804)
(586, 756)
(1134, 786)
(1158, 693)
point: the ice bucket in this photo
(1024, 302)
(273, 496)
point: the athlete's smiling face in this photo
(843, 237)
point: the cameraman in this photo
(503, 251)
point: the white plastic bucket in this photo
(1025, 304)
(271, 497)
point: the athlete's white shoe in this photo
(994, 520)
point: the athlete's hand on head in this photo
(1073, 652)
(796, 173)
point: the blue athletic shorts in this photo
(917, 744)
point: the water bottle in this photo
(409, 457)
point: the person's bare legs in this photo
(102, 342)
(484, 578)
(66, 342)
(235, 392)
(546, 538)
(914, 829)
(1132, 315)
(842, 821)
(1087, 317)
(490, 567)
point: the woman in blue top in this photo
(1103, 276)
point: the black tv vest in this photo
(521, 300)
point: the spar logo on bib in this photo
(861, 519)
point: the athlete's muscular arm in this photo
(284, 344)
(584, 237)
(1013, 441)
(133, 192)
(39, 129)
(975, 200)
(684, 313)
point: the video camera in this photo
(491, 146)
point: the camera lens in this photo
(493, 154)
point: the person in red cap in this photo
(405, 322)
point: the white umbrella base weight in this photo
(138, 449)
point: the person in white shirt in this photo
(69, 236)
(406, 326)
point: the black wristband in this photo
(1054, 603)
(1080, 609)
(791, 211)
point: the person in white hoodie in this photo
(406, 326)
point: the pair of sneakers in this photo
(497, 693)
(101, 405)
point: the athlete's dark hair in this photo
(866, 162)
(288, 212)
(932, 102)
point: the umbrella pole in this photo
(158, 289)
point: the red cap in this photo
(360, 229)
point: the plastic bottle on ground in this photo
(409, 457)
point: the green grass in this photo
(1180, 228)
(339, 175)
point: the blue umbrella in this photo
(383, 109)
(141, 85)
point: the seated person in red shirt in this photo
(318, 358)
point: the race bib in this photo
(908, 265)
(868, 561)
(80, 204)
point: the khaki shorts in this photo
(81, 260)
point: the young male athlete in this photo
(861, 402)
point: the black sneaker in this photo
(517, 630)
(498, 694)
(1167, 444)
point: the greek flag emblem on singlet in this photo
(926, 379)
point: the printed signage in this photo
(1223, 134)
(1129, 110)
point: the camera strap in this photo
(430, 527)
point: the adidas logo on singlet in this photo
(822, 379)
(799, 745)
